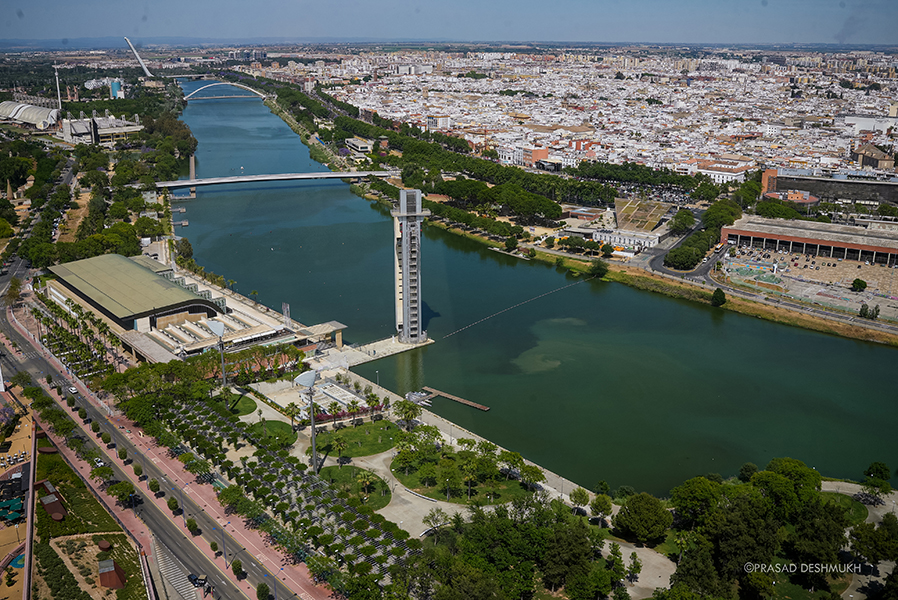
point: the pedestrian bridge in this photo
(182, 183)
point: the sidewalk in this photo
(295, 577)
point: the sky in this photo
(658, 21)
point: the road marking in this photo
(154, 460)
(261, 557)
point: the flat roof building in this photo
(131, 295)
(812, 237)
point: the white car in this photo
(73, 390)
(99, 462)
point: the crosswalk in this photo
(173, 573)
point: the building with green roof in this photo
(131, 295)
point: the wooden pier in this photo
(433, 393)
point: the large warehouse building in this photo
(819, 239)
(131, 295)
(161, 316)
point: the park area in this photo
(371, 490)
(366, 439)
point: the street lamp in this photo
(378, 377)
(307, 380)
(447, 490)
(218, 328)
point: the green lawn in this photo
(857, 512)
(669, 546)
(496, 492)
(345, 478)
(244, 406)
(277, 433)
(364, 440)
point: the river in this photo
(595, 381)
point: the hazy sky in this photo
(715, 21)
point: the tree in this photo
(644, 517)
(532, 475)
(682, 222)
(746, 471)
(695, 499)
(262, 591)
(511, 243)
(21, 379)
(607, 250)
(173, 504)
(512, 461)
(718, 298)
(13, 292)
(102, 473)
(191, 525)
(138, 471)
(106, 437)
(121, 491)
(213, 546)
(407, 411)
(433, 520)
(292, 411)
(154, 486)
(579, 497)
(237, 568)
(858, 285)
(339, 444)
(122, 454)
(184, 249)
(635, 568)
(600, 506)
(598, 268)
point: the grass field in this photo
(495, 492)
(857, 512)
(364, 440)
(345, 478)
(277, 433)
(244, 406)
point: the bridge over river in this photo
(182, 183)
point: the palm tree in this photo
(354, 407)
(372, 401)
(339, 445)
(334, 409)
(365, 479)
(292, 411)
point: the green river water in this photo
(596, 381)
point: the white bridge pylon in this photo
(256, 92)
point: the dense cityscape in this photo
(173, 432)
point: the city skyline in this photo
(604, 21)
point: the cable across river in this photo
(504, 310)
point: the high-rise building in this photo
(407, 231)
